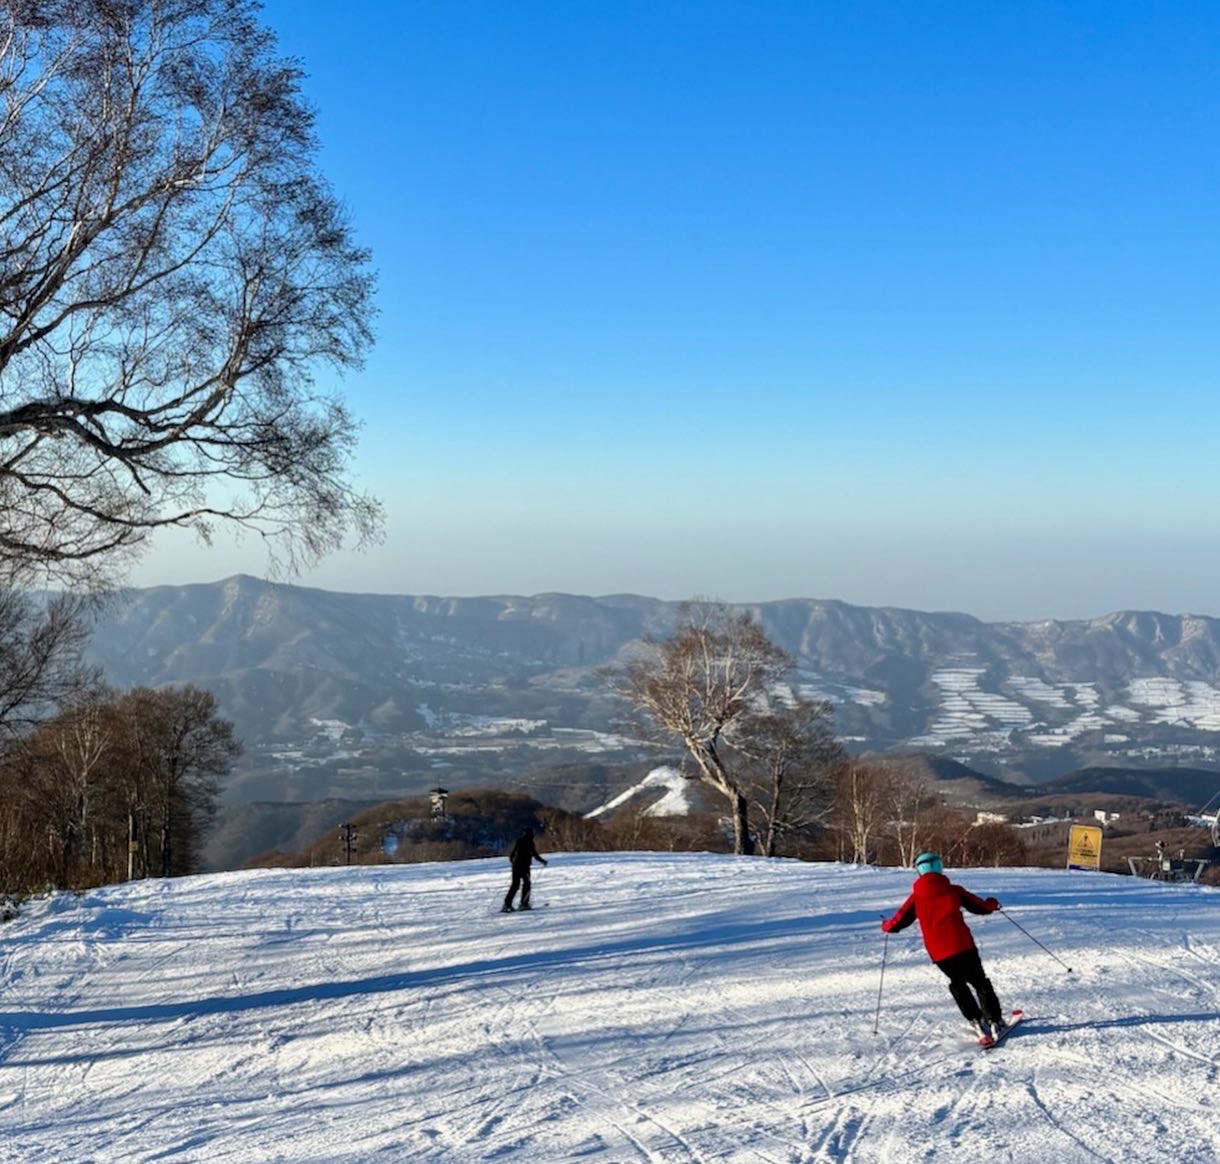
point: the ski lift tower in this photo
(1163, 867)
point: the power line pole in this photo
(348, 833)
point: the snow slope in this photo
(660, 1008)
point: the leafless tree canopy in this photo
(792, 756)
(173, 271)
(115, 786)
(862, 795)
(704, 686)
(40, 656)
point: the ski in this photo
(1013, 1019)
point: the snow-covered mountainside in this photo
(369, 696)
(654, 1008)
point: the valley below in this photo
(354, 699)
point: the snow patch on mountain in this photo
(1190, 703)
(675, 802)
(968, 715)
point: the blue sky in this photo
(904, 304)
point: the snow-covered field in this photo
(659, 1008)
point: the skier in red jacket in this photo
(938, 905)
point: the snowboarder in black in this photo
(522, 854)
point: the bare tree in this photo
(568, 832)
(108, 772)
(989, 843)
(700, 683)
(83, 739)
(173, 273)
(793, 753)
(182, 746)
(27, 845)
(40, 655)
(861, 804)
(60, 781)
(914, 809)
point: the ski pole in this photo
(885, 945)
(1035, 941)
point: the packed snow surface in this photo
(654, 1008)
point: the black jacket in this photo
(523, 852)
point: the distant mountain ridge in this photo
(1192, 786)
(428, 685)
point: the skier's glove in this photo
(991, 904)
(887, 925)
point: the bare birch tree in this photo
(861, 808)
(63, 770)
(84, 738)
(697, 685)
(914, 810)
(173, 273)
(109, 771)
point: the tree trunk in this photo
(712, 772)
(772, 837)
(743, 843)
(167, 861)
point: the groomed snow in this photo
(658, 1008)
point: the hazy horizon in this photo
(311, 581)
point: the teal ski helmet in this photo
(928, 863)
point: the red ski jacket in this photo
(938, 905)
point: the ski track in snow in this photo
(663, 1009)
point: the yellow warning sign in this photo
(1084, 847)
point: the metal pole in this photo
(1036, 942)
(885, 945)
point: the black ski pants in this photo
(966, 978)
(521, 880)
